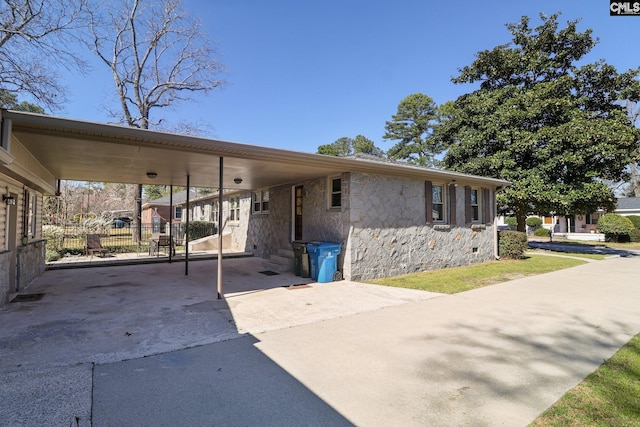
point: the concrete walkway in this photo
(325, 354)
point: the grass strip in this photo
(609, 396)
(460, 279)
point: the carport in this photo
(85, 151)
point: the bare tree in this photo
(158, 56)
(35, 36)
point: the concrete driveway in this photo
(326, 354)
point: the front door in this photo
(297, 212)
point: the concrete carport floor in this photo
(102, 315)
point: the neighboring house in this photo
(389, 218)
(156, 213)
(585, 226)
(628, 206)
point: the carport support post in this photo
(186, 230)
(220, 186)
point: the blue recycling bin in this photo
(313, 252)
(324, 260)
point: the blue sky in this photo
(301, 74)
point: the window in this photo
(214, 211)
(547, 220)
(234, 214)
(475, 205)
(177, 212)
(335, 196)
(437, 198)
(33, 200)
(593, 218)
(260, 201)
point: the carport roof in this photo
(87, 151)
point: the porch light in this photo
(237, 180)
(8, 199)
(152, 175)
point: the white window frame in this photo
(234, 208)
(331, 193)
(443, 202)
(260, 201)
(177, 215)
(33, 207)
(214, 212)
(477, 215)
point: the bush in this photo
(615, 227)
(533, 222)
(51, 255)
(54, 235)
(635, 219)
(199, 229)
(634, 236)
(513, 244)
(511, 221)
(541, 232)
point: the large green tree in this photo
(345, 146)
(554, 128)
(412, 126)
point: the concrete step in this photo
(284, 261)
(274, 266)
(287, 253)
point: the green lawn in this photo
(610, 396)
(460, 279)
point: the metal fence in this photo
(120, 237)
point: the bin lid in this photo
(313, 246)
(330, 245)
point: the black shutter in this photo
(428, 196)
(467, 204)
(452, 204)
(486, 202)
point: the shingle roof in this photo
(628, 203)
(178, 197)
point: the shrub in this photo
(51, 255)
(511, 221)
(513, 244)
(54, 235)
(533, 222)
(541, 232)
(635, 219)
(199, 229)
(634, 236)
(615, 227)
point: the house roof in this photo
(179, 197)
(628, 203)
(87, 151)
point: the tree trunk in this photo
(521, 217)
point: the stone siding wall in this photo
(267, 233)
(5, 276)
(31, 262)
(388, 234)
